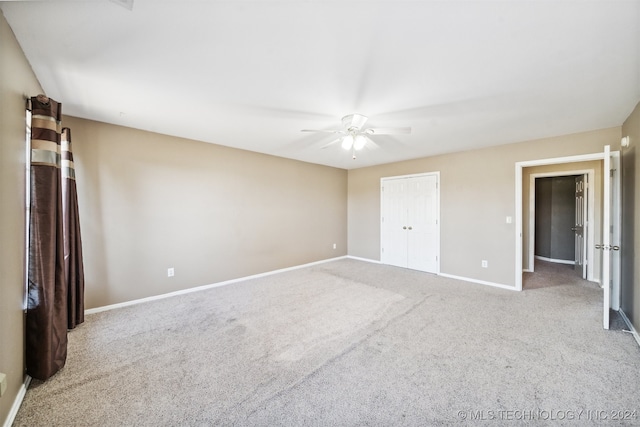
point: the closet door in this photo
(393, 225)
(409, 223)
(422, 238)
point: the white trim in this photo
(591, 201)
(518, 225)
(364, 259)
(557, 261)
(17, 402)
(481, 282)
(560, 160)
(630, 326)
(205, 287)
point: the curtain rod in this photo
(41, 97)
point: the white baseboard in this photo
(205, 287)
(630, 326)
(374, 261)
(451, 276)
(17, 402)
(481, 282)
(557, 261)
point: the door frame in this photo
(591, 190)
(615, 217)
(416, 175)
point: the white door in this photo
(394, 223)
(422, 224)
(580, 226)
(610, 235)
(409, 222)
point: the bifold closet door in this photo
(422, 220)
(394, 223)
(409, 223)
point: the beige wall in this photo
(630, 275)
(149, 202)
(559, 169)
(477, 193)
(16, 81)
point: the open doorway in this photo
(606, 264)
(560, 226)
(554, 240)
(564, 217)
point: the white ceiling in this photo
(252, 74)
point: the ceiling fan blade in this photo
(371, 144)
(387, 131)
(322, 130)
(331, 143)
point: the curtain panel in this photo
(73, 266)
(55, 276)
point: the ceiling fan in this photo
(354, 137)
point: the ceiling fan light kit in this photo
(355, 137)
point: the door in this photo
(580, 226)
(394, 223)
(422, 224)
(610, 234)
(409, 222)
(606, 238)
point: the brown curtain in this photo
(56, 282)
(73, 267)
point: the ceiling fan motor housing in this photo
(354, 121)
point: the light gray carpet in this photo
(553, 274)
(346, 343)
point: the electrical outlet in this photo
(485, 263)
(171, 272)
(335, 246)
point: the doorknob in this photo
(410, 228)
(598, 246)
(404, 228)
(615, 248)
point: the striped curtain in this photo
(56, 283)
(73, 267)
